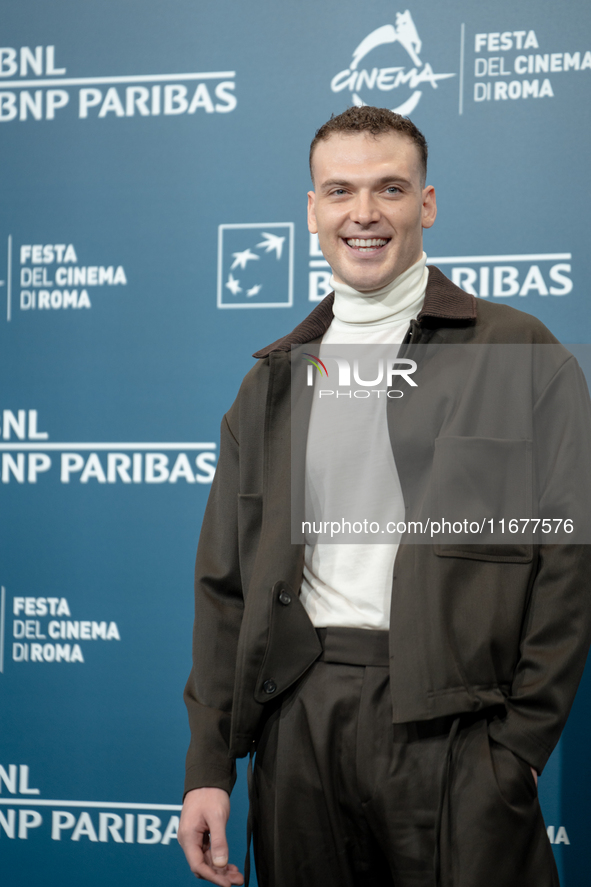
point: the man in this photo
(401, 698)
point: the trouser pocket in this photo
(494, 833)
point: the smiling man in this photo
(400, 698)
(370, 203)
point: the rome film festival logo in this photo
(387, 79)
(255, 265)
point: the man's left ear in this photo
(429, 211)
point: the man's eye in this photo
(393, 190)
(338, 191)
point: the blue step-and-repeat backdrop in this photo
(152, 236)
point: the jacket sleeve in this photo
(557, 627)
(552, 655)
(219, 607)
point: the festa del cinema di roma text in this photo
(57, 639)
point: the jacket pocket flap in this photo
(503, 554)
(292, 647)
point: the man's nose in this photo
(365, 211)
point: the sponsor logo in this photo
(34, 87)
(373, 85)
(503, 277)
(500, 277)
(255, 265)
(28, 455)
(23, 812)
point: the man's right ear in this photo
(312, 226)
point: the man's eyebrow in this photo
(384, 180)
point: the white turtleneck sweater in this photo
(350, 585)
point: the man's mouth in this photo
(366, 244)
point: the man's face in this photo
(369, 207)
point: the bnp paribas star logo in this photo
(391, 69)
(255, 265)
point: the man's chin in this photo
(365, 284)
(364, 275)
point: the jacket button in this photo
(269, 687)
(285, 598)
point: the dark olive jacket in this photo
(471, 626)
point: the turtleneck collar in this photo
(400, 300)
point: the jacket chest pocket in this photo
(483, 498)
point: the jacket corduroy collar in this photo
(445, 303)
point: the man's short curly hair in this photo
(375, 121)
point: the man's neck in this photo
(399, 300)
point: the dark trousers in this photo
(344, 798)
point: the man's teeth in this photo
(366, 244)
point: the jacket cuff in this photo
(520, 741)
(208, 763)
(210, 777)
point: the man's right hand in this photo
(202, 835)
